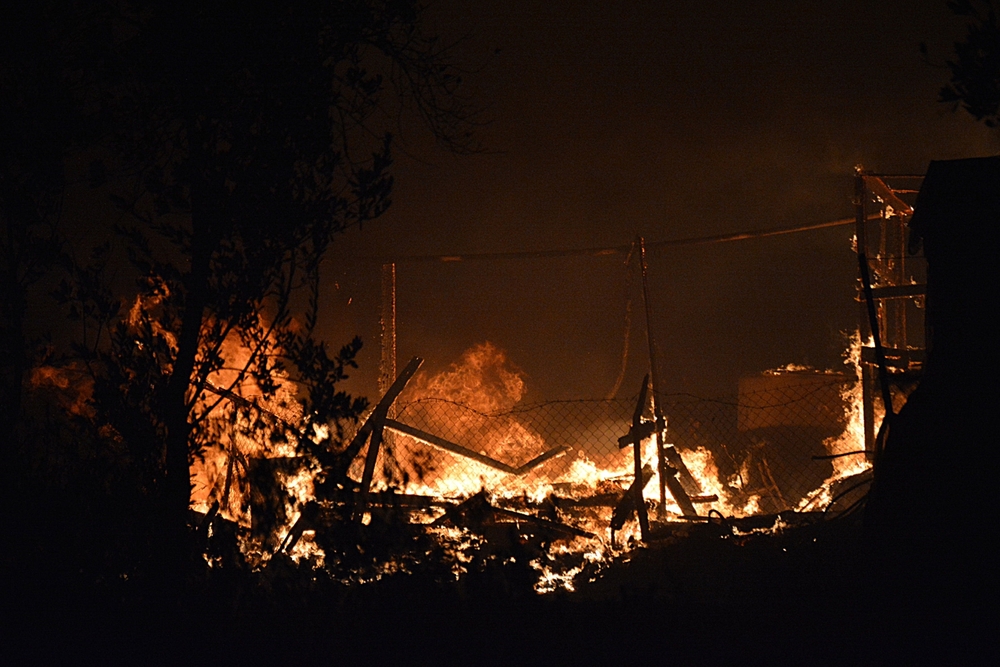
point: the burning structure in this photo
(456, 456)
(457, 461)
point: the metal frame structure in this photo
(892, 293)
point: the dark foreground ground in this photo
(803, 597)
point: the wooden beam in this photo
(654, 373)
(677, 491)
(454, 448)
(542, 458)
(690, 484)
(894, 358)
(873, 330)
(899, 291)
(626, 506)
(636, 441)
(447, 445)
(375, 424)
(243, 402)
(878, 187)
(644, 430)
(555, 526)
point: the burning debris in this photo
(493, 490)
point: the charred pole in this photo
(634, 437)
(373, 429)
(654, 376)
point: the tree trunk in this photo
(176, 407)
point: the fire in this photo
(462, 403)
(483, 380)
(463, 399)
(238, 423)
(473, 403)
(852, 439)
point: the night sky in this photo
(606, 120)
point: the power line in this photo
(615, 250)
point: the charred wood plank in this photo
(366, 477)
(688, 482)
(306, 521)
(888, 196)
(894, 358)
(377, 422)
(541, 458)
(668, 455)
(476, 511)
(641, 432)
(676, 488)
(899, 291)
(626, 506)
(555, 526)
(634, 431)
(244, 402)
(447, 445)
(390, 396)
(473, 512)
(455, 448)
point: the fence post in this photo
(387, 322)
(654, 375)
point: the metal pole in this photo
(654, 375)
(387, 365)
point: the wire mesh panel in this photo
(767, 452)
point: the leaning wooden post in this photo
(657, 413)
(374, 427)
(636, 433)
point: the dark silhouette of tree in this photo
(240, 140)
(38, 128)
(35, 130)
(975, 70)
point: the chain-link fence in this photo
(767, 452)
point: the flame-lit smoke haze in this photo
(670, 121)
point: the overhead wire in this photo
(615, 250)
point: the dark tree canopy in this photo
(975, 70)
(236, 141)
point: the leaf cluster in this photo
(975, 69)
